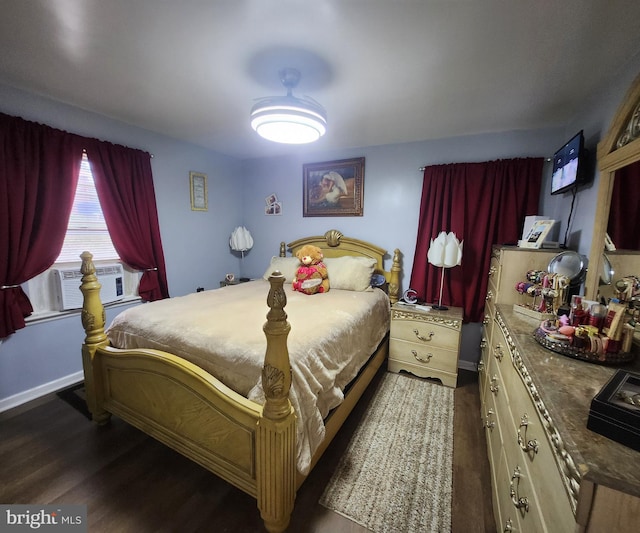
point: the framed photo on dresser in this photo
(537, 234)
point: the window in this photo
(87, 230)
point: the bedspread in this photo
(332, 336)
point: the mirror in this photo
(607, 272)
(569, 264)
(624, 217)
(619, 148)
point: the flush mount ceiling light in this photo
(288, 119)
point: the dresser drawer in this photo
(525, 433)
(501, 353)
(422, 354)
(489, 421)
(494, 270)
(519, 507)
(483, 363)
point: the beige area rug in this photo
(396, 474)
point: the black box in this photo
(615, 410)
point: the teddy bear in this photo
(311, 276)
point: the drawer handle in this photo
(530, 445)
(488, 424)
(424, 339)
(422, 359)
(498, 353)
(518, 502)
(508, 526)
(494, 387)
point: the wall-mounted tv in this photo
(568, 165)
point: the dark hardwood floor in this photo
(50, 453)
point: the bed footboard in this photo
(251, 446)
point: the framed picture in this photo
(198, 183)
(537, 234)
(273, 205)
(271, 199)
(333, 189)
(273, 209)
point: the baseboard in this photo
(41, 390)
(467, 365)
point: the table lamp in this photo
(445, 251)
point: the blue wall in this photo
(195, 243)
(46, 355)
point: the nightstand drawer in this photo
(424, 355)
(425, 333)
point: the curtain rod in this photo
(84, 151)
(548, 160)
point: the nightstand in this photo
(425, 343)
(225, 283)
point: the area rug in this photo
(396, 474)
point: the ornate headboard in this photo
(334, 244)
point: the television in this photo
(568, 165)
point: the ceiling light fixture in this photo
(288, 119)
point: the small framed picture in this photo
(273, 205)
(273, 209)
(198, 185)
(537, 234)
(271, 199)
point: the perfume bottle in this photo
(577, 316)
(597, 313)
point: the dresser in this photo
(549, 472)
(425, 343)
(509, 265)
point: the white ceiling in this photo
(387, 71)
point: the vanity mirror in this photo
(607, 272)
(617, 150)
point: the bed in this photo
(251, 429)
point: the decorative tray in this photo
(580, 353)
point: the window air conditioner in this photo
(69, 296)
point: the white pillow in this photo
(288, 266)
(349, 272)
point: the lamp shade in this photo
(241, 240)
(445, 250)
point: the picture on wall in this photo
(198, 186)
(274, 206)
(333, 189)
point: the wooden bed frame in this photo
(250, 445)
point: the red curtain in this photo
(624, 216)
(124, 183)
(483, 204)
(39, 169)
